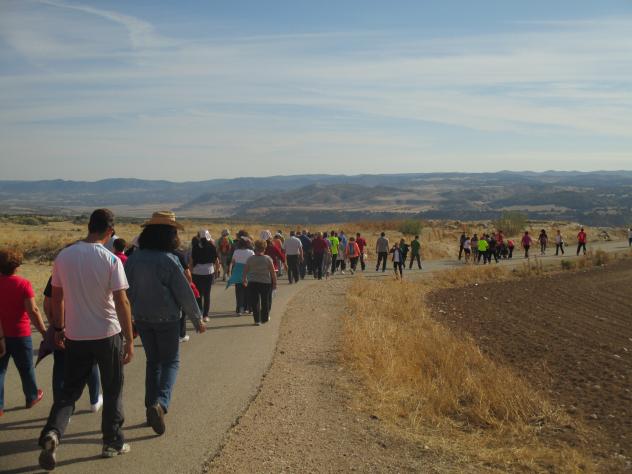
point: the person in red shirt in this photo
(581, 241)
(17, 311)
(119, 250)
(319, 248)
(361, 245)
(526, 243)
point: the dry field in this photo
(499, 377)
(41, 238)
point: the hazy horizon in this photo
(155, 90)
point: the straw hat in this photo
(163, 218)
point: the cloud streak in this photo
(565, 83)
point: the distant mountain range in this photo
(597, 198)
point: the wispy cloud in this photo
(107, 73)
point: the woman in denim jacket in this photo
(158, 291)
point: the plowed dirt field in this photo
(569, 335)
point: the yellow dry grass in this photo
(443, 392)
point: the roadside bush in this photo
(30, 220)
(511, 222)
(567, 265)
(410, 227)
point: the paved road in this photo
(220, 373)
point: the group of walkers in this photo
(495, 245)
(103, 293)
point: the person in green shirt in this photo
(415, 252)
(483, 247)
(335, 242)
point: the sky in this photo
(194, 90)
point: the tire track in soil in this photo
(570, 334)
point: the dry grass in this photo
(442, 390)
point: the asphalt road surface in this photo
(220, 372)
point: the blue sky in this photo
(194, 90)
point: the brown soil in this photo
(303, 419)
(568, 334)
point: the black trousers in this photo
(354, 263)
(398, 267)
(292, 268)
(334, 257)
(204, 283)
(241, 298)
(581, 245)
(362, 262)
(80, 357)
(381, 258)
(460, 251)
(558, 248)
(414, 257)
(305, 266)
(317, 263)
(260, 300)
(526, 251)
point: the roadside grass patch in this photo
(440, 389)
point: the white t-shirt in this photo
(293, 246)
(467, 245)
(88, 274)
(242, 255)
(203, 269)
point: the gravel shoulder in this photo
(303, 419)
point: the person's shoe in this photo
(156, 418)
(342, 272)
(185, 338)
(32, 403)
(94, 408)
(257, 323)
(206, 319)
(47, 457)
(111, 451)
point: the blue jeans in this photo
(21, 350)
(161, 342)
(94, 381)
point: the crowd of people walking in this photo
(496, 246)
(104, 292)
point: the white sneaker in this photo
(98, 405)
(206, 319)
(185, 338)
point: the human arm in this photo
(273, 276)
(35, 316)
(3, 347)
(244, 279)
(124, 314)
(182, 293)
(57, 315)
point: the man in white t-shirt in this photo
(92, 320)
(294, 252)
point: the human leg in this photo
(254, 301)
(108, 353)
(22, 353)
(78, 362)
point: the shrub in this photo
(511, 222)
(567, 264)
(410, 227)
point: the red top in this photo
(361, 243)
(275, 254)
(319, 246)
(13, 291)
(581, 237)
(122, 257)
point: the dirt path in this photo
(570, 334)
(302, 420)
